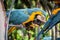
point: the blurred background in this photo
(17, 33)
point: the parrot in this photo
(53, 20)
(24, 16)
(19, 16)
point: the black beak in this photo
(36, 21)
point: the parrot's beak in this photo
(36, 21)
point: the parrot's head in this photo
(35, 18)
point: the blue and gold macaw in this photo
(24, 16)
(19, 16)
(53, 20)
